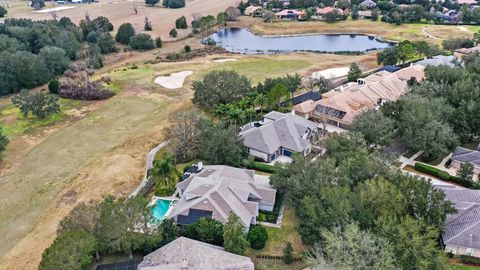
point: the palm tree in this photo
(261, 100)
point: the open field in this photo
(97, 148)
(120, 11)
(414, 32)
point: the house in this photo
(321, 12)
(279, 134)
(369, 4)
(305, 109)
(466, 51)
(252, 10)
(290, 14)
(463, 155)
(439, 60)
(215, 191)
(365, 14)
(413, 71)
(450, 16)
(467, 2)
(188, 254)
(461, 235)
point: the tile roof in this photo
(278, 130)
(463, 227)
(413, 71)
(188, 254)
(475, 49)
(223, 189)
(305, 107)
(466, 155)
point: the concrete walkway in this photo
(148, 166)
(409, 161)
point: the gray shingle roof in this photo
(189, 254)
(466, 155)
(463, 228)
(221, 190)
(278, 130)
(438, 60)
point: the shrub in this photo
(40, 105)
(125, 32)
(257, 237)
(158, 42)
(288, 253)
(3, 11)
(443, 175)
(173, 3)
(261, 167)
(53, 86)
(181, 23)
(141, 42)
(187, 49)
(173, 33)
(470, 260)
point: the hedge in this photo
(421, 167)
(470, 260)
(261, 167)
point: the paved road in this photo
(148, 166)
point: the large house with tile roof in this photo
(188, 254)
(279, 134)
(461, 235)
(217, 190)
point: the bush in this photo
(158, 42)
(261, 167)
(470, 260)
(3, 11)
(141, 42)
(173, 3)
(125, 32)
(257, 237)
(187, 48)
(53, 86)
(181, 23)
(40, 105)
(445, 175)
(173, 33)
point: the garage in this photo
(287, 152)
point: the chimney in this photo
(293, 112)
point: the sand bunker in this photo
(225, 60)
(174, 81)
(55, 9)
(331, 73)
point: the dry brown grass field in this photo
(120, 11)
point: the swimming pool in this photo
(160, 208)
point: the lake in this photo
(241, 40)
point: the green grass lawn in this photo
(464, 267)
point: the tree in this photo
(288, 253)
(169, 231)
(37, 4)
(3, 140)
(173, 33)
(387, 57)
(234, 239)
(147, 24)
(151, 2)
(55, 59)
(222, 18)
(257, 237)
(206, 230)
(125, 32)
(158, 42)
(222, 145)
(40, 105)
(357, 249)
(71, 250)
(220, 87)
(181, 23)
(277, 94)
(465, 171)
(457, 43)
(376, 128)
(184, 135)
(141, 42)
(3, 11)
(354, 73)
(106, 43)
(53, 86)
(232, 13)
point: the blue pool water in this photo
(160, 208)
